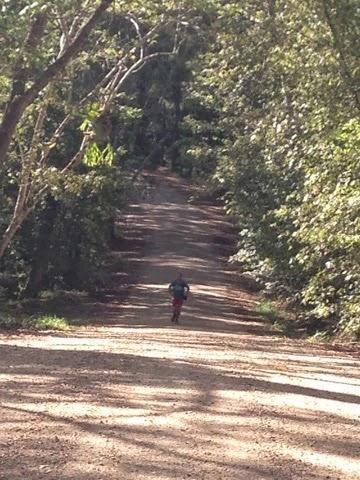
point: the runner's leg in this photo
(178, 312)
(177, 304)
(173, 318)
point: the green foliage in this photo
(349, 327)
(95, 156)
(261, 104)
(276, 95)
(268, 310)
(45, 322)
(71, 230)
(320, 336)
(66, 238)
(80, 238)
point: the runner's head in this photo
(179, 276)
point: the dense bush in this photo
(280, 88)
(66, 243)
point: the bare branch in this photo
(18, 105)
(21, 148)
(110, 85)
(64, 39)
(133, 20)
(140, 64)
(51, 144)
(77, 158)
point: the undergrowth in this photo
(44, 322)
(281, 324)
(268, 310)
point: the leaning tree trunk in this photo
(10, 232)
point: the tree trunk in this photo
(21, 68)
(10, 232)
(73, 276)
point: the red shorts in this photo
(177, 302)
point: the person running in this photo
(179, 291)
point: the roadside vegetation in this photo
(256, 101)
(9, 321)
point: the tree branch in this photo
(18, 105)
(20, 70)
(28, 199)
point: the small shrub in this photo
(49, 322)
(44, 322)
(350, 328)
(267, 310)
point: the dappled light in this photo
(179, 240)
(219, 396)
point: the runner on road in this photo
(179, 291)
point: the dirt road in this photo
(218, 397)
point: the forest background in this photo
(257, 100)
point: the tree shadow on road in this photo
(149, 408)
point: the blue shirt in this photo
(178, 288)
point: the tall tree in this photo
(127, 59)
